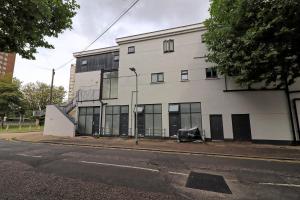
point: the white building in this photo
(177, 89)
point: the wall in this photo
(57, 124)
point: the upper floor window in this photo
(131, 50)
(211, 72)
(110, 85)
(184, 75)
(116, 58)
(168, 46)
(84, 62)
(157, 77)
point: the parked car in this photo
(189, 135)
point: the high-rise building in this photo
(71, 94)
(7, 63)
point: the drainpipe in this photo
(101, 102)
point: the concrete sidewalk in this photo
(232, 149)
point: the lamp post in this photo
(136, 104)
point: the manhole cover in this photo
(207, 182)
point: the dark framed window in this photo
(153, 120)
(116, 57)
(211, 72)
(157, 77)
(168, 46)
(112, 119)
(85, 119)
(84, 62)
(131, 50)
(190, 114)
(110, 85)
(184, 75)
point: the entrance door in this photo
(96, 119)
(141, 124)
(174, 123)
(241, 127)
(216, 127)
(124, 124)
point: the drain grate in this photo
(208, 182)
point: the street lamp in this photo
(136, 104)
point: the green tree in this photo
(37, 95)
(257, 40)
(10, 96)
(25, 25)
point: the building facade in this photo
(7, 63)
(177, 89)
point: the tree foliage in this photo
(10, 96)
(259, 39)
(25, 25)
(37, 95)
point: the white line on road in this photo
(26, 155)
(280, 184)
(178, 173)
(123, 166)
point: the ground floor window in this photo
(88, 120)
(184, 116)
(116, 120)
(150, 120)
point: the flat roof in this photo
(96, 51)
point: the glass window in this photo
(185, 108)
(82, 111)
(110, 85)
(148, 124)
(157, 124)
(168, 46)
(211, 72)
(195, 107)
(124, 109)
(81, 123)
(89, 125)
(157, 77)
(108, 124)
(196, 120)
(116, 124)
(157, 108)
(109, 109)
(173, 108)
(185, 121)
(149, 109)
(89, 111)
(184, 75)
(96, 110)
(116, 109)
(131, 50)
(84, 62)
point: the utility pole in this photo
(136, 105)
(51, 87)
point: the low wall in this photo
(57, 124)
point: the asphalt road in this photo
(44, 171)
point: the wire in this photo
(105, 31)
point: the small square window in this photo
(157, 77)
(116, 58)
(184, 75)
(84, 62)
(168, 46)
(131, 50)
(211, 72)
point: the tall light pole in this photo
(51, 87)
(136, 104)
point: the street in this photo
(45, 171)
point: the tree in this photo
(24, 25)
(10, 96)
(256, 40)
(37, 96)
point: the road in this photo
(45, 171)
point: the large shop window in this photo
(88, 120)
(190, 114)
(113, 119)
(153, 120)
(110, 85)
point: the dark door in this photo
(174, 123)
(216, 127)
(141, 124)
(96, 119)
(124, 124)
(241, 127)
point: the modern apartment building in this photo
(71, 93)
(7, 63)
(177, 89)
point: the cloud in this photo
(92, 19)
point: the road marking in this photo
(26, 155)
(280, 184)
(178, 173)
(123, 166)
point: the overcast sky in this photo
(93, 17)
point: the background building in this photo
(7, 63)
(71, 93)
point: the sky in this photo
(93, 18)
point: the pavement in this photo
(245, 150)
(53, 171)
